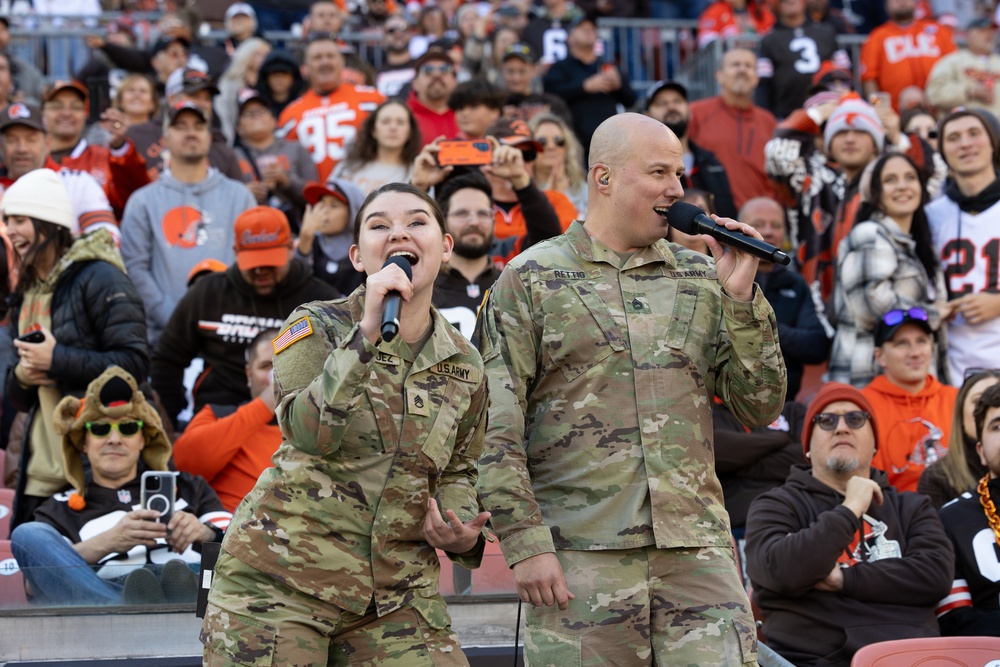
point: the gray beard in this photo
(841, 466)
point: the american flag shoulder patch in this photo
(296, 331)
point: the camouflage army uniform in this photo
(602, 375)
(326, 554)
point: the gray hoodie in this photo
(168, 227)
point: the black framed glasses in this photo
(103, 429)
(557, 141)
(854, 419)
(429, 69)
(894, 317)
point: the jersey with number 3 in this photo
(327, 124)
(968, 246)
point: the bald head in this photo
(619, 135)
(767, 216)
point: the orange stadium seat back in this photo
(11, 579)
(6, 511)
(931, 652)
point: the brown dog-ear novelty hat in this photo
(114, 394)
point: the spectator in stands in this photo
(240, 24)
(820, 11)
(728, 19)
(734, 128)
(274, 170)
(489, 65)
(428, 98)
(519, 79)
(593, 89)
(280, 80)
(559, 166)
(241, 74)
(99, 73)
(194, 86)
(973, 607)
(97, 545)
(325, 107)
(477, 105)
(887, 262)
(328, 231)
(183, 217)
(230, 445)
(902, 51)
(785, 73)
(967, 76)
(325, 16)
(397, 66)
(914, 407)
(963, 223)
(25, 142)
(959, 472)
(223, 312)
(804, 334)
(839, 559)
(387, 145)
(476, 259)
(76, 293)
(921, 122)
(118, 167)
(431, 26)
(168, 53)
(752, 460)
(667, 101)
(204, 55)
(27, 78)
(547, 33)
(137, 100)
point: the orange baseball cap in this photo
(263, 238)
(205, 266)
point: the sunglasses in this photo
(556, 141)
(103, 430)
(395, 29)
(828, 421)
(443, 68)
(894, 317)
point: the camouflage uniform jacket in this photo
(601, 384)
(365, 445)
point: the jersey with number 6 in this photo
(968, 245)
(327, 124)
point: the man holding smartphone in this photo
(97, 545)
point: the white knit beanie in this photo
(40, 194)
(853, 113)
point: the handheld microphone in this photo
(393, 301)
(690, 219)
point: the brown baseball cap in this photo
(21, 113)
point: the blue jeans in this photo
(57, 573)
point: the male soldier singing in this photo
(604, 348)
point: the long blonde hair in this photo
(574, 151)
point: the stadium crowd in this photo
(168, 203)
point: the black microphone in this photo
(690, 219)
(393, 301)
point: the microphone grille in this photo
(681, 217)
(402, 263)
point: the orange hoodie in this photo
(914, 429)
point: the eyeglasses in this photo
(443, 68)
(932, 134)
(462, 215)
(395, 29)
(557, 141)
(103, 429)
(969, 372)
(828, 421)
(58, 108)
(894, 317)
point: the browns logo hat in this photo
(21, 113)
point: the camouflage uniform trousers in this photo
(254, 620)
(646, 606)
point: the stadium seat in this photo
(6, 510)
(11, 579)
(931, 652)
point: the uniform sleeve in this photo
(752, 379)
(314, 411)
(508, 341)
(922, 576)
(458, 480)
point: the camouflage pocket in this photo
(546, 648)
(579, 331)
(748, 641)
(682, 315)
(229, 639)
